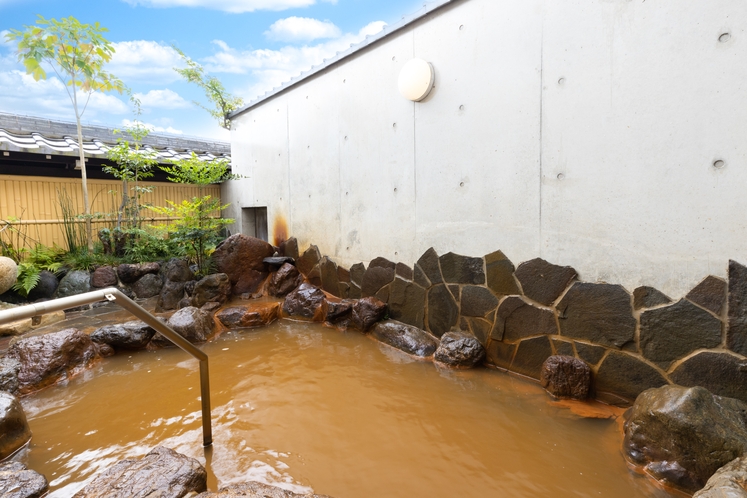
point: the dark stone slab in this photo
(382, 263)
(480, 328)
(542, 281)
(356, 273)
(284, 280)
(366, 312)
(330, 280)
(682, 436)
(162, 472)
(420, 278)
(598, 313)
(343, 275)
(443, 311)
(278, 261)
(626, 376)
(345, 290)
(407, 338)
(407, 302)
(404, 271)
(383, 294)
(375, 278)
(354, 292)
(500, 274)
(315, 276)
(530, 355)
(289, 248)
(673, 332)
(306, 301)
(308, 260)
(429, 263)
(477, 301)
(590, 353)
(500, 354)
(459, 349)
(721, 373)
(455, 291)
(736, 336)
(566, 377)
(710, 294)
(648, 297)
(17, 481)
(458, 269)
(516, 319)
(563, 348)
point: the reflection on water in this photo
(307, 407)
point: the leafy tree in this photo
(224, 103)
(77, 53)
(196, 223)
(133, 163)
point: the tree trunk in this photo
(84, 178)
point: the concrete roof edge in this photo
(370, 40)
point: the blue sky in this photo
(250, 45)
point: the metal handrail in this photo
(116, 296)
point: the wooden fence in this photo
(35, 202)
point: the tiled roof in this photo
(28, 134)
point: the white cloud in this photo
(301, 29)
(144, 61)
(233, 6)
(153, 128)
(271, 68)
(19, 93)
(161, 99)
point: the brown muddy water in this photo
(307, 407)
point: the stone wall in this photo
(522, 315)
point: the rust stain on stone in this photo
(279, 231)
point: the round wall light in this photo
(416, 79)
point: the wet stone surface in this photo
(242, 259)
(375, 278)
(252, 315)
(458, 349)
(129, 335)
(443, 311)
(542, 281)
(407, 338)
(407, 302)
(308, 260)
(625, 377)
(14, 429)
(500, 354)
(215, 287)
(675, 331)
(162, 472)
(256, 490)
(149, 285)
(16, 481)
(683, 435)
(307, 301)
(530, 356)
(721, 373)
(566, 377)
(366, 312)
(730, 481)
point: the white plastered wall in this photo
(580, 131)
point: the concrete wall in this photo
(581, 131)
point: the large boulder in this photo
(105, 276)
(8, 274)
(407, 338)
(9, 369)
(214, 288)
(241, 258)
(255, 490)
(171, 294)
(192, 323)
(307, 301)
(252, 315)
(730, 481)
(366, 312)
(45, 287)
(129, 274)
(683, 435)
(458, 349)
(49, 358)
(75, 282)
(566, 377)
(149, 285)
(130, 335)
(14, 429)
(16, 481)
(177, 270)
(283, 281)
(162, 473)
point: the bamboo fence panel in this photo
(34, 201)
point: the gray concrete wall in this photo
(580, 131)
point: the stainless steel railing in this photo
(116, 296)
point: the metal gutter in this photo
(341, 56)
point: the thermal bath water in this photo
(308, 407)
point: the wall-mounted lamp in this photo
(416, 79)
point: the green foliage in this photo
(223, 102)
(77, 53)
(39, 258)
(133, 163)
(195, 171)
(72, 232)
(13, 239)
(151, 245)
